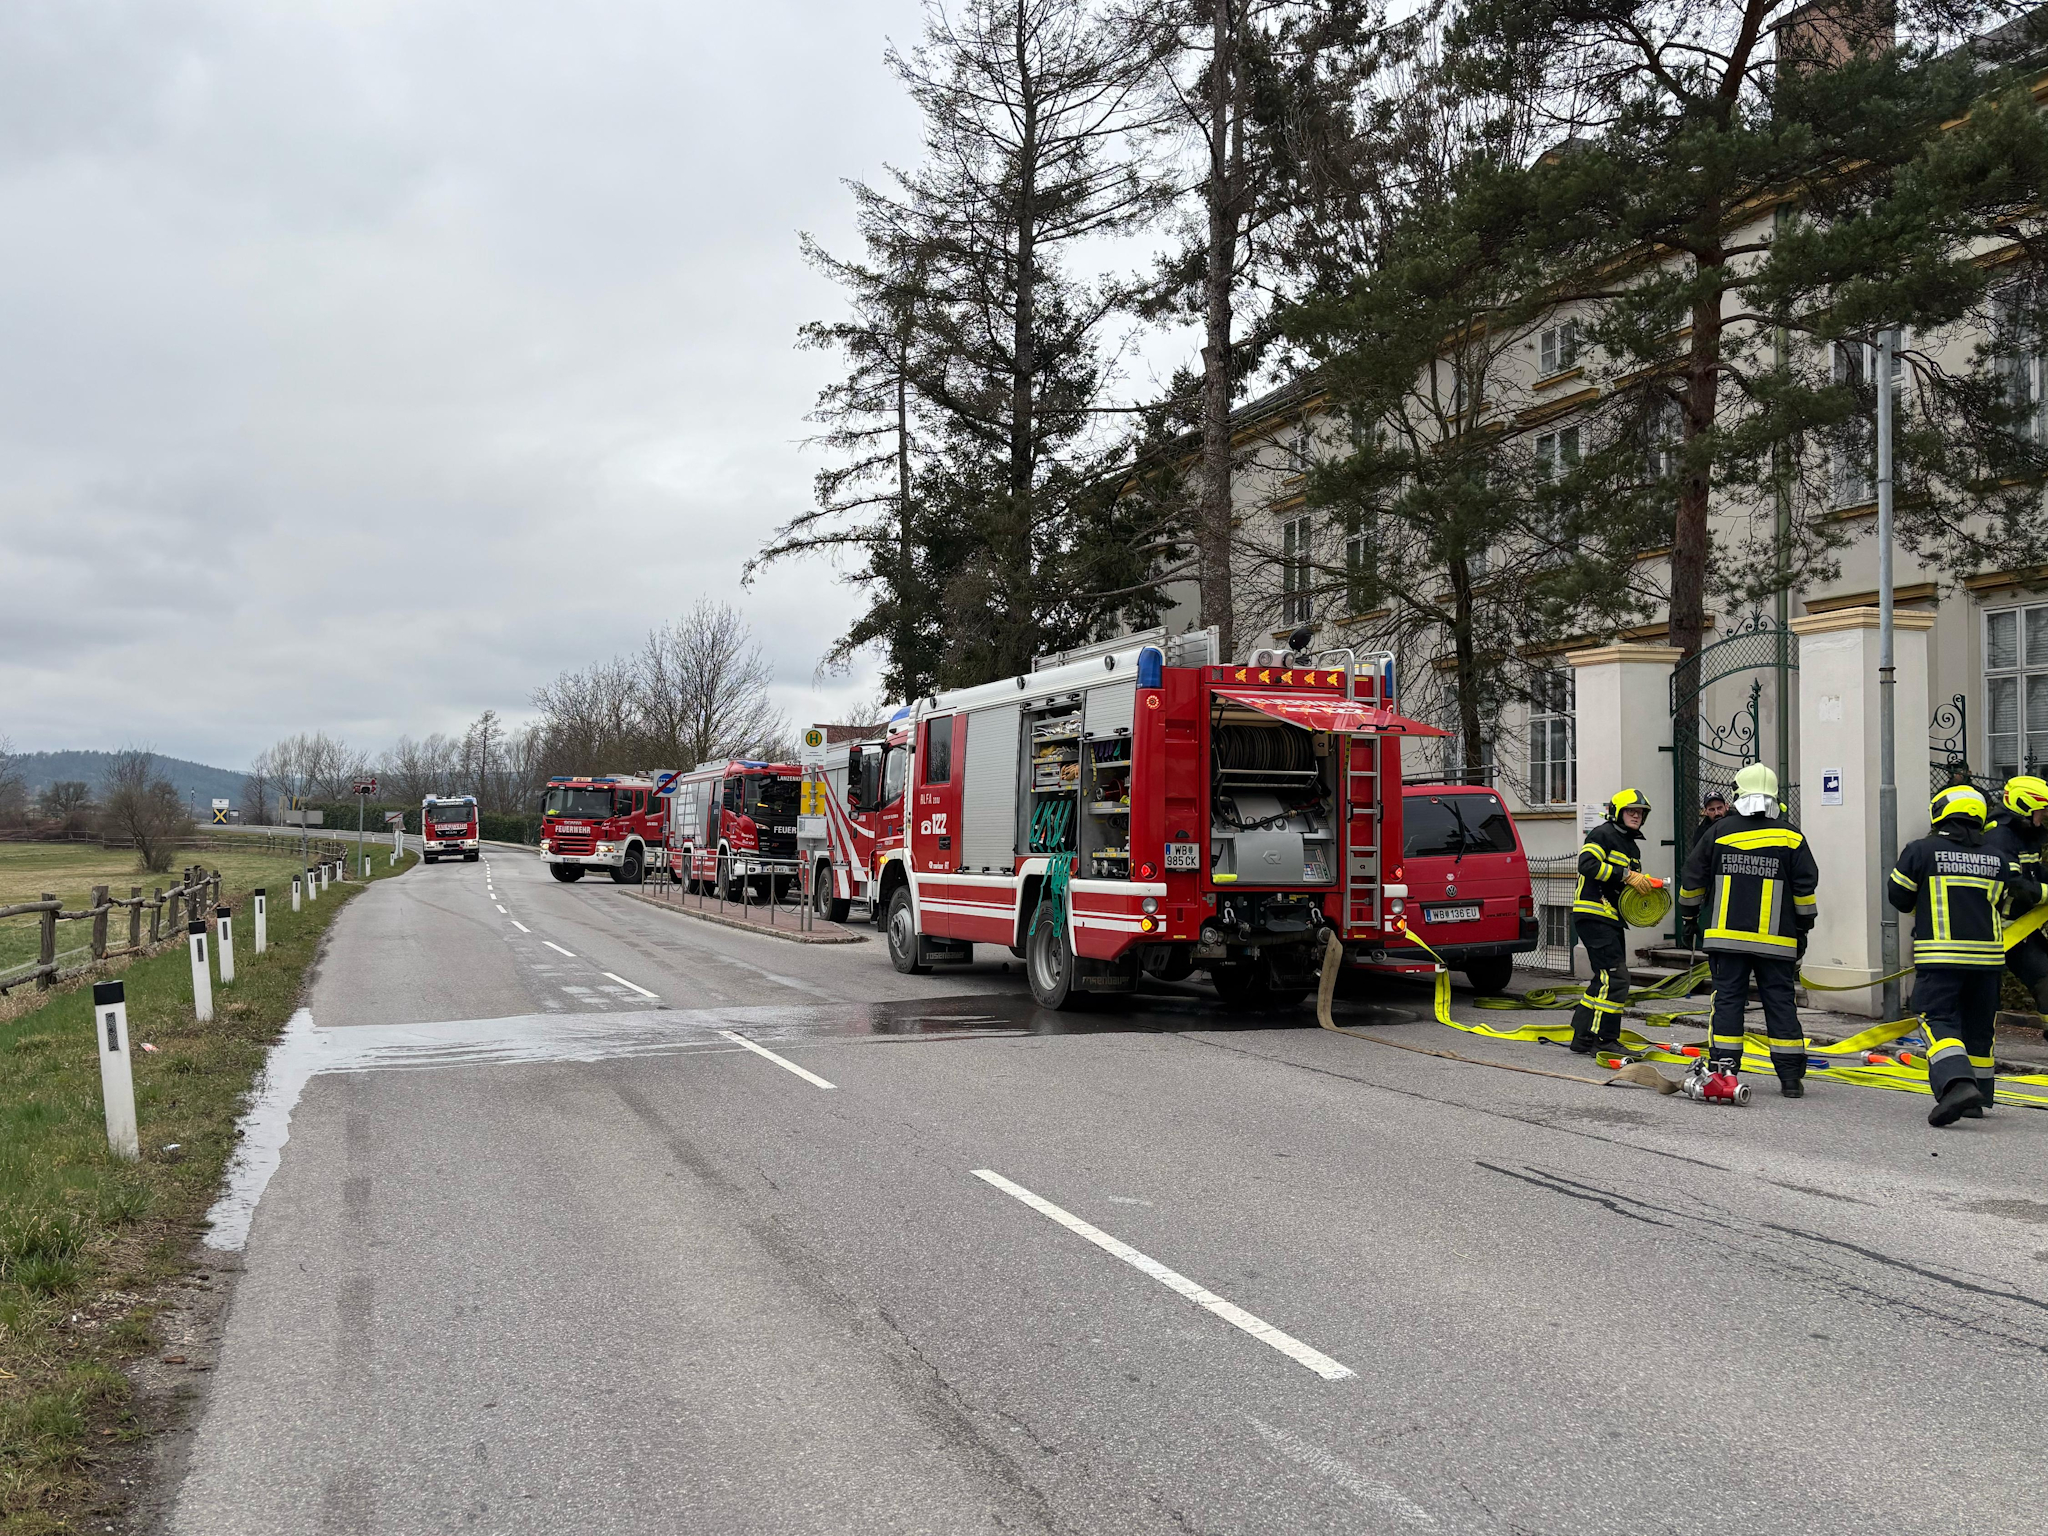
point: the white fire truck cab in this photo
(1119, 811)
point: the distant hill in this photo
(198, 783)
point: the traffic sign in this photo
(364, 787)
(220, 814)
(811, 754)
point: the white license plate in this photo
(1183, 855)
(1451, 914)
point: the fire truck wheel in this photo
(831, 908)
(904, 949)
(429, 858)
(1490, 977)
(1049, 965)
(630, 872)
(471, 858)
(568, 874)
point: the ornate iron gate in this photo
(1706, 750)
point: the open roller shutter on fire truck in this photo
(988, 808)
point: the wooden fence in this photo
(196, 894)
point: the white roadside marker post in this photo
(117, 1079)
(224, 942)
(202, 984)
(262, 920)
(312, 884)
(296, 882)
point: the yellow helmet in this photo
(1626, 800)
(1958, 800)
(2026, 794)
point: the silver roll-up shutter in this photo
(988, 802)
(1110, 707)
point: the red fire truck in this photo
(448, 828)
(732, 825)
(860, 812)
(1200, 816)
(601, 822)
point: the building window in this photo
(1297, 571)
(1300, 448)
(1560, 347)
(1667, 444)
(1557, 453)
(1553, 757)
(2016, 690)
(1557, 926)
(1361, 564)
(2020, 366)
(1853, 458)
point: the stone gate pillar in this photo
(1838, 774)
(1622, 694)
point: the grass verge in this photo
(87, 1241)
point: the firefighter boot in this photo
(1956, 1101)
(2041, 1004)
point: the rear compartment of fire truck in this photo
(1274, 847)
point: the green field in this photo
(87, 1240)
(71, 870)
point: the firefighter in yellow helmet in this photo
(2018, 832)
(1962, 892)
(1610, 862)
(1754, 881)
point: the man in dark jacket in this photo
(2018, 834)
(1962, 892)
(1752, 885)
(1609, 863)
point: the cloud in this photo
(369, 364)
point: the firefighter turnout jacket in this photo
(1611, 851)
(1757, 878)
(2017, 838)
(1960, 891)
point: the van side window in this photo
(937, 753)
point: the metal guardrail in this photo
(788, 889)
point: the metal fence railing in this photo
(747, 886)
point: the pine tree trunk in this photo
(1021, 593)
(1690, 538)
(910, 679)
(1465, 659)
(1212, 522)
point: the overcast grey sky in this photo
(368, 362)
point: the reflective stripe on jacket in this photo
(1960, 891)
(1609, 853)
(1757, 878)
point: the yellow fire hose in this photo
(1844, 1059)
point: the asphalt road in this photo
(546, 1253)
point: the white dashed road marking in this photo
(1174, 1281)
(625, 983)
(781, 1061)
(551, 944)
(521, 926)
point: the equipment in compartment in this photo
(1271, 817)
(1055, 758)
(1108, 794)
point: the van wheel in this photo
(1490, 977)
(905, 952)
(1049, 964)
(568, 874)
(831, 908)
(630, 872)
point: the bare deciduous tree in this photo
(13, 785)
(142, 805)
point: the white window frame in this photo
(1297, 569)
(1553, 740)
(1556, 452)
(1358, 562)
(2021, 686)
(2022, 370)
(1558, 348)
